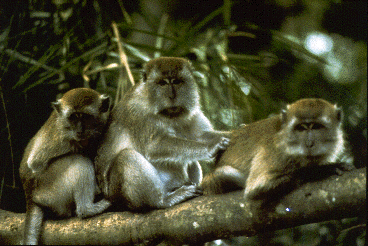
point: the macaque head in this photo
(171, 86)
(82, 113)
(312, 129)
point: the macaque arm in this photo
(208, 133)
(38, 158)
(263, 180)
(170, 148)
(41, 153)
(260, 187)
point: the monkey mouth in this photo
(80, 143)
(173, 111)
(314, 158)
(84, 142)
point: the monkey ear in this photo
(105, 103)
(144, 76)
(57, 106)
(190, 64)
(283, 115)
(339, 114)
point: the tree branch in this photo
(206, 218)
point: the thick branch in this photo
(206, 218)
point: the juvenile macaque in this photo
(57, 171)
(267, 156)
(157, 134)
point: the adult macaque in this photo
(267, 156)
(157, 134)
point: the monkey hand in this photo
(191, 190)
(198, 190)
(344, 167)
(181, 194)
(217, 144)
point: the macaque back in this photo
(57, 171)
(270, 155)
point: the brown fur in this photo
(56, 170)
(265, 156)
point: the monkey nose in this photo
(172, 94)
(309, 143)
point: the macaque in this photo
(57, 170)
(158, 133)
(270, 155)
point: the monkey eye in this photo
(162, 82)
(301, 127)
(308, 126)
(317, 126)
(74, 117)
(177, 81)
(80, 117)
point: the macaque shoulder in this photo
(251, 134)
(246, 141)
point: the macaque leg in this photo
(141, 185)
(85, 190)
(69, 180)
(33, 225)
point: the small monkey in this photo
(56, 170)
(158, 133)
(267, 156)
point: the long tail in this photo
(33, 225)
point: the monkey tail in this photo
(33, 225)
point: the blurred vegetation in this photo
(251, 58)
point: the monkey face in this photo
(174, 96)
(312, 140)
(171, 86)
(82, 113)
(312, 130)
(82, 126)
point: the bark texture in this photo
(206, 218)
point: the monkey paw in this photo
(192, 190)
(220, 144)
(181, 194)
(224, 143)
